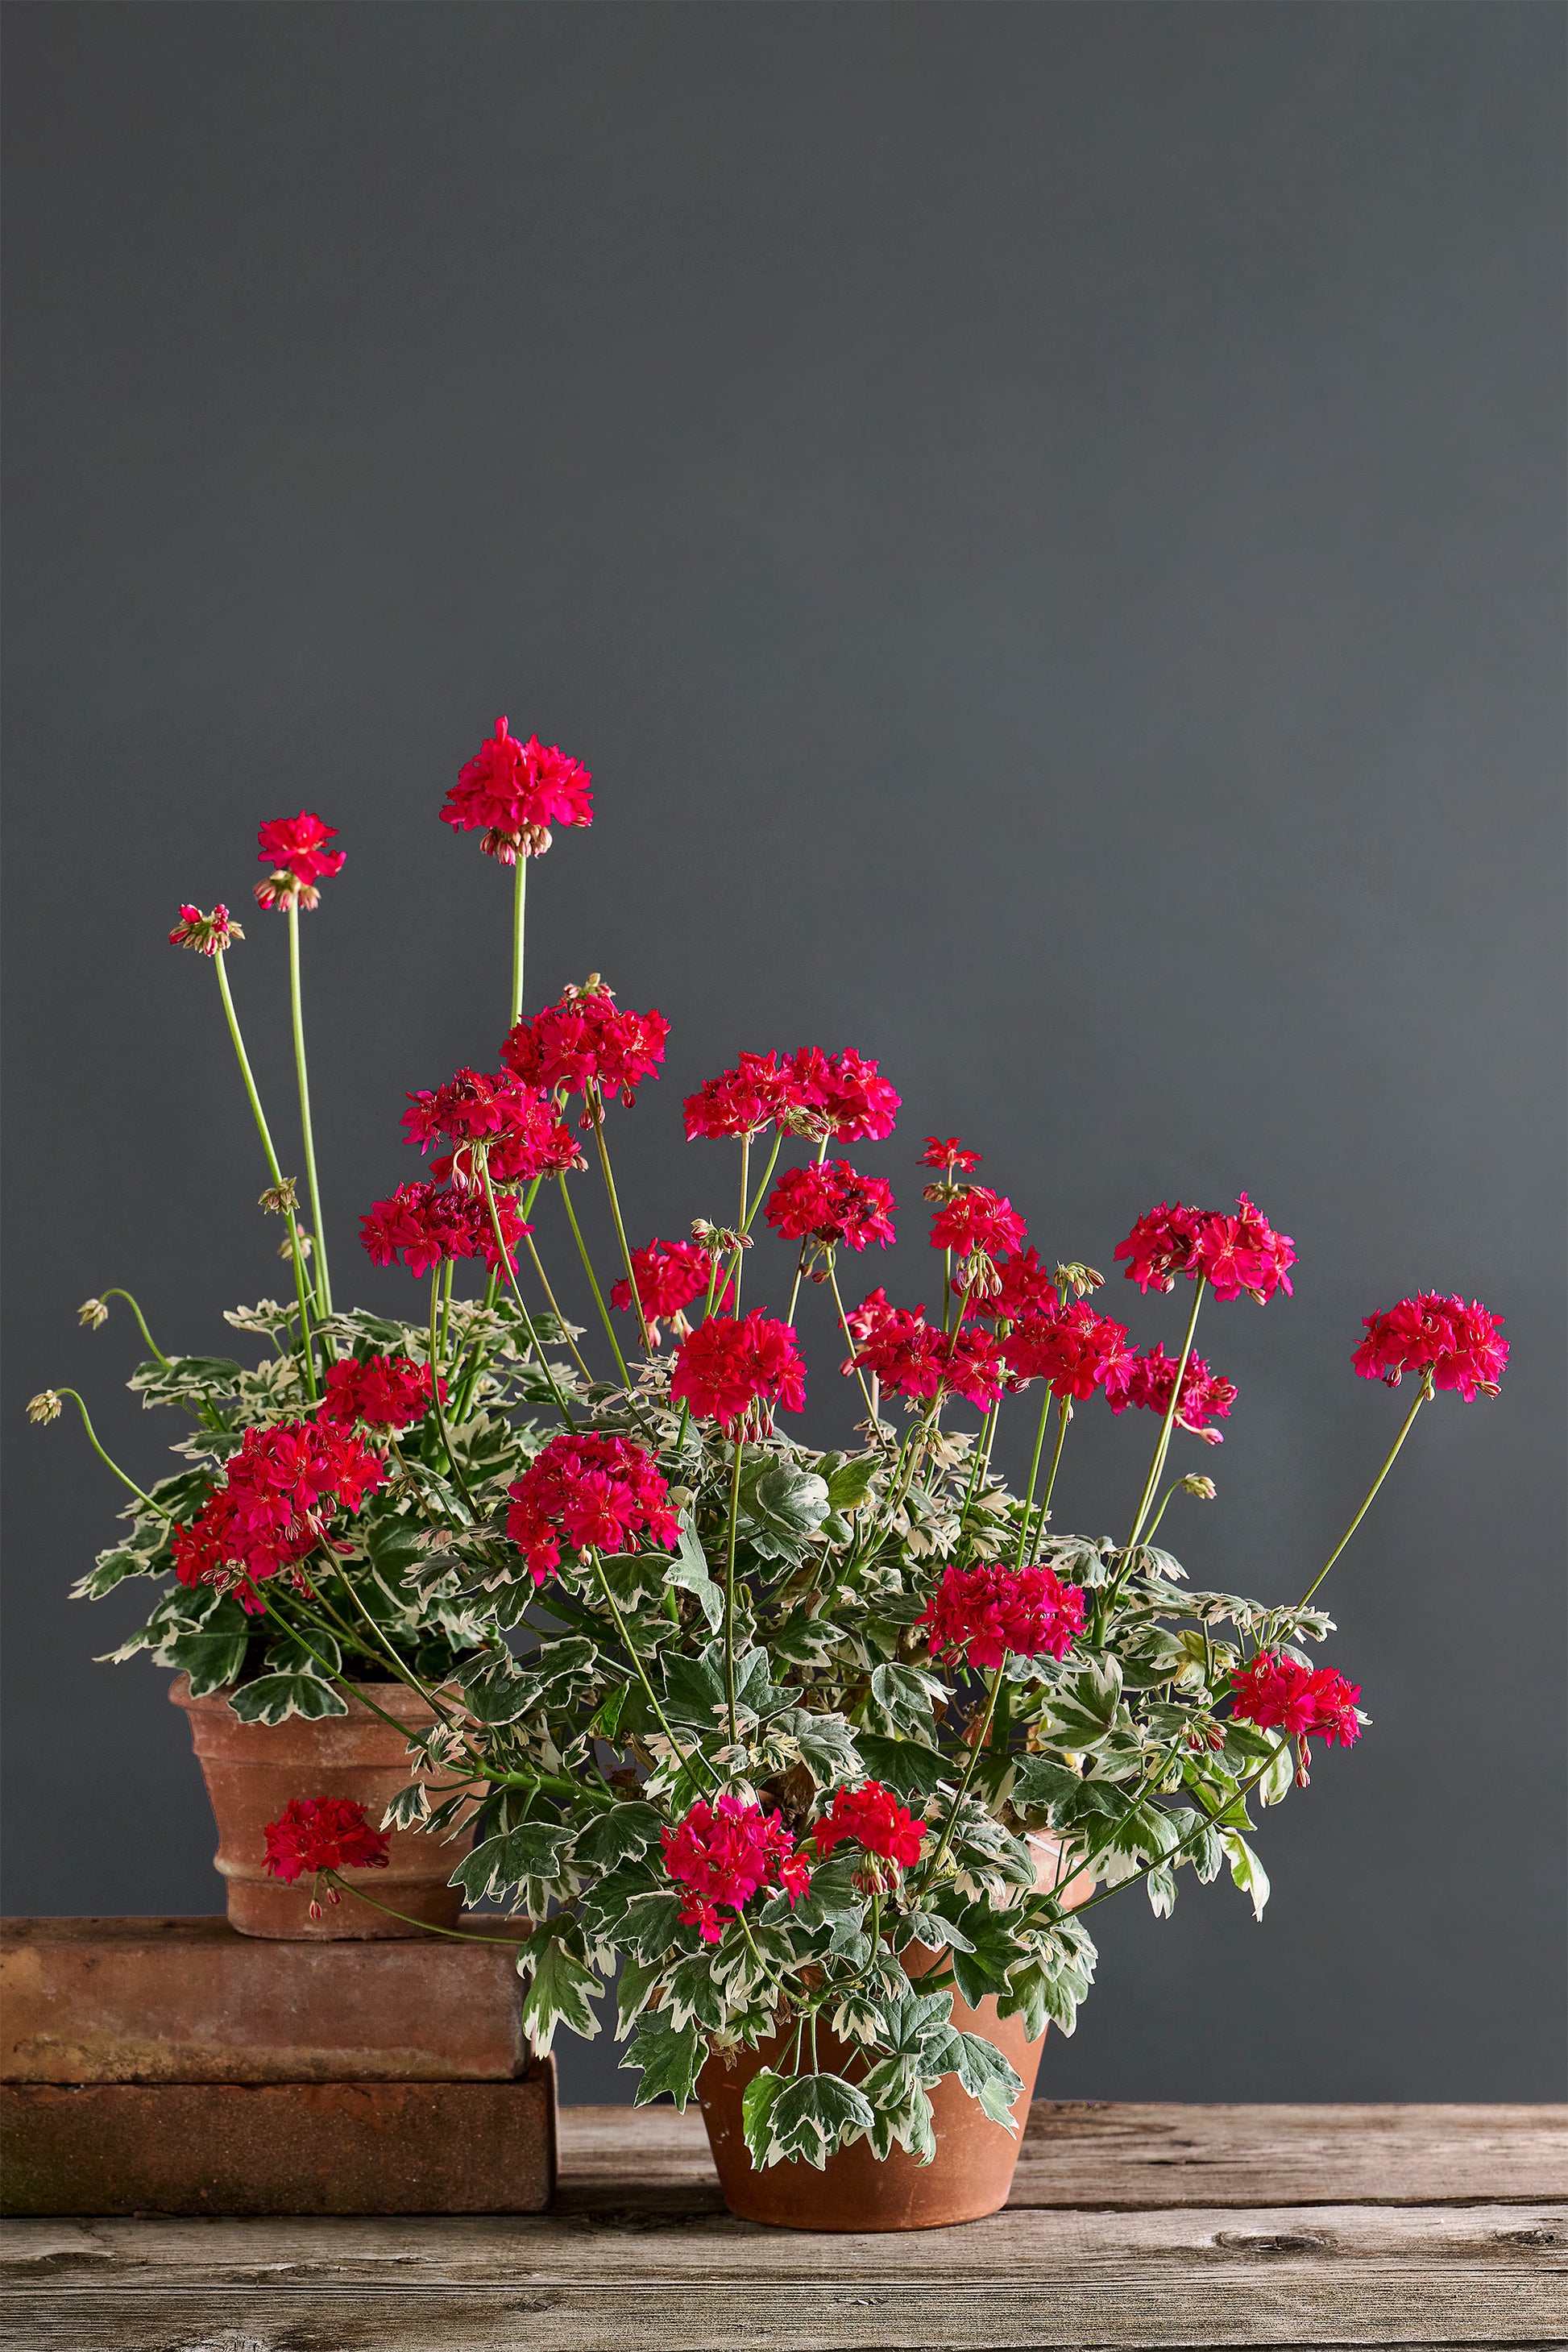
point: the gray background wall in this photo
(1046, 524)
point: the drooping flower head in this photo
(594, 1490)
(1206, 1397)
(871, 1817)
(517, 792)
(669, 1275)
(275, 1506)
(722, 1853)
(1073, 1350)
(1459, 1345)
(1279, 1693)
(832, 1203)
(319, 1834)
(515, 1125)
(208, 935)
(382, 1392)
(990, 1612)
(724, 1368)
(292, 847)
(840, 1095)
(948, 1151)
(977, 1222)
(422, 1226)
(1236, 1254)
(587, 1041)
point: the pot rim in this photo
(391, 1697)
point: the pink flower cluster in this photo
(826, 1095)
(1071, 1348)
(1279, 1693)
(669, 1275)
(1207, 1396)
(1459, 1345)
(382, 1391)
(516, 791)
(978, 1223)
(595, 1490)
(1235, 1254)
(292, 847)
(832, 1202)
(587, 1041)
(275, 1506)
(724, 1367)
(422, 1226)
(516, 1124)
(723, 1853)
(872, 1817)
(990, 1612)
(911, 1358)
(322, 1833)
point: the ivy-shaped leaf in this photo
(272, 1699)
(669, 2061)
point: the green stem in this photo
(1409, 1419)
(300, 1285)
(745, 1181)
(593, 1284)
(324, 1283)
(849, 1339)
(452, 1461)
(555, 1309)
(426, 1926)
(642, 1670)
(1162, 1444)
(141, 1321)
(519, 898)
(505, 1269)
(109, 1461)
(596, 1113)
(730, 1594)
(929, 1874)
(1065, 1416)
(767, 1179)
(1034, 1473)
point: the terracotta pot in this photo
(252, 1770)
(971, 2172)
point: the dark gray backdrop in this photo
(1046, 524)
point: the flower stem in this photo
(767, 1179)
(505, 1267)
(141, 1321)
(518, 898)
(301, 1286)
(642, 1670)
(324, 1283)
(740, 1253)
(849, 1337)
(929, 1874)
(1409, 1419)
(730, 1593)
(1163, 1442)
(555, 1309)
(594, 1282)
(108, 1460)
(426, 1926)
(596, 1112)
(1034, 1473)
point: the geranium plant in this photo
(759, 1723)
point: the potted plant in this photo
(825, 1758)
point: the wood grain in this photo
(1106, 2245)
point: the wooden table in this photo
(1129, 2226)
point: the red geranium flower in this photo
(978, 1222)
(1459, 1345)
(1235, 1253)
(740, 1101)
(1205, 1396)
(586, 1040)
(516, 791)
(292, 847)
(989, 1612)
(1022, 1287)
(209, 935)
(669, 1275)
(722, 1853)
(1073, 1350)
(322, 1833)
(832, 1203)
(517, 1125)
(275, 1506)
(872, 1817)
(424, 1225)
(910, 1357)
(1279, 1693)
(383, 1392)
(947, 1151)
(841, 1095)
(724, 1367)
(599, 1491)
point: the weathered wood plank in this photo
(1129, 2155)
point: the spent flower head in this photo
(207, 935)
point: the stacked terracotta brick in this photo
(174, 2066)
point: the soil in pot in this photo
(971, 2173)
(252, 1770)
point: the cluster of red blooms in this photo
(1019, 1286)
(424, 1225)
(978, 1223)
(595, 1490)
(278, 1494)
(830, 1095)
(911, 1358)
(1459, 1345)
(724, 1367)
(208, 935)
(587, 1041)
(722, 1853)
(1235, 1254)
(516, 1123)
(1207, 1396)
(832, 1202)
(948, 1151)
(383, 1392)
(291, 845)
(873, 1818)
(989, 1612)
(517, 792)
(322, 1833)
(1072, 1349)
(1278, 1694)
(669, 1275)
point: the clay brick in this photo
(190, 2000)
(281, 2147)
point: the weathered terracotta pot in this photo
(252, 1770)
(971, 2172)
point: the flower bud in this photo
(284, 889)
(1080, 1280)
(207, 935)
(92, 1312)
(1203, 1488)
(279, 1199)
(46, 1406)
